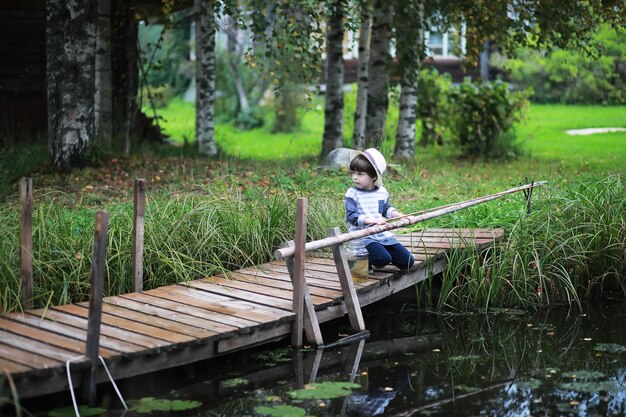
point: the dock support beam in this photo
(92, 346)
(139, 198)
(26, 242)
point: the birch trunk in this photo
(71, 45)
(104, 96)
(405, 133)
(358, 137)
(411, 53)
(378, 89)
(205, 77)
(333, 111)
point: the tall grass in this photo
(572, 246)
(187, 236)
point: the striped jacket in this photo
(369, 203)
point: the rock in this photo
(337, 158)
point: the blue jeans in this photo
(383, 255)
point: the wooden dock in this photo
(195, 320)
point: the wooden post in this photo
(26, 242)
(347, 286)
(100, 241)
(311, 324)
(298, 277)
(139, 199)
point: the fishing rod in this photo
(526, 193)
(408, 219)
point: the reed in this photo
(572, 246)
(187, 236)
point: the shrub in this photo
(571, 76)
(432, 105)
(482, 119)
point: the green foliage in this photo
(324, 390)
(572, 76)
(483, 116)
(433, 105)
(572, 246)
(281, 411)
(148, 405)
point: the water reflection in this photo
(508, 363)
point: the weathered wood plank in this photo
(27, 358)
(35, 346)
(81, 323)
(12, 367)
(130, 325)
(179, 311)
(155, 320)
(220, 313)
(54, 339)
(320, 297)
(268, 299)
(75, 332)
(239, 308)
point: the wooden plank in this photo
(11, 367)
(81, 323)
(320, 297)
(154, 320)
(79, 333)
(328, 279)
(219, 313)
(248, 286)
(312, 281)
(27, 358)
(253, 297)
(34, 346)
(253, 339)
(179, 311)
(54, 339)
(129, 325)
(238, 308)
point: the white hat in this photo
(376, 159)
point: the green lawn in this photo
(543, 134)
(545, 137)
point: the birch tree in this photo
(360, 113)
(378, 88)
(103, 101)
(410, 52)
(333, 110)
(206, 28)
(71, 46)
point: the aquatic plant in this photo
(324, 390)
(572, 246)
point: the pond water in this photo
(561, 362)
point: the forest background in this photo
(205, 216)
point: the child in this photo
(367, 204)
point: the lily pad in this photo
(230, 383)
(610, 347)
(590, 387)
(83, 410)
(281, 411)
(530, 384)
(324, 390)
(583, 375)
(149, 404)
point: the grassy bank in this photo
(205, 216)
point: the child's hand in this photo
(375, 220)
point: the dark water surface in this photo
(561, 362)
